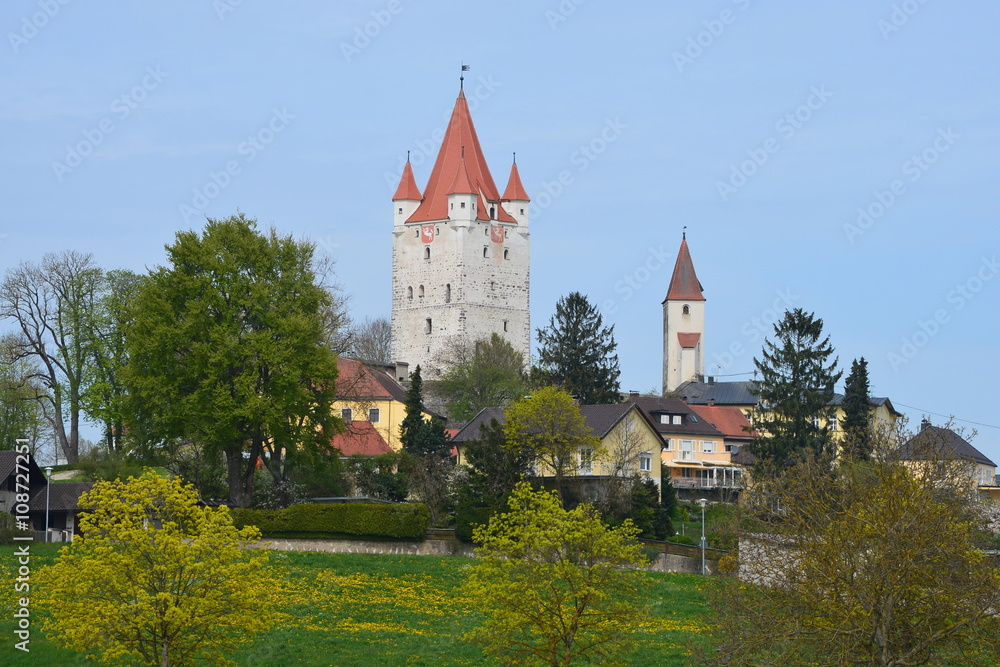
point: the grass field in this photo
(344, 610)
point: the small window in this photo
(833, 423)
(729, 448)
(707, 447)
(416, 233)
(492, 211)
(522, 211)
(346, 414)
(487, 231)
(686, 310)
(586, 460)
(373, 415)
(506, 253)
(462, 205)
(486, 251)
(409, 293)
(447, 293)
(427, 252)
(505, 325)
(664, 419)
(453, 206)
(645, 461)
(676, 419)
(421, 291)
(427, 328)
(815, 422)
(668, 444)
(400, 209)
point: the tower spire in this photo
(461, 77)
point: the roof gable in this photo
(934, 441)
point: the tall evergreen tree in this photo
(577, 352)
(857, 413)
(794, 390)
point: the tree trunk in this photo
(234, 475)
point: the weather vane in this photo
(684, 233)
(461, 78)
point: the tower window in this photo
(400, 209)
(492, 211)
(506, 253)
(462, 204)
(686, 310)
(447, 293)
(416, 233)
(453, 206)
(421, 291)
(522, 211)
(486, 251)
(427, 326)
(505, 325)
(409, 293)
(427, 252)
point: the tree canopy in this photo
(577, 352)
(489, 373)
(555, 586)
(794, 390)
(227, 347)
(857, 424)
(156, 578)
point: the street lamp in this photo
(702, 502)
(48, 481)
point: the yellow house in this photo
(372, 403)
(933, 443)
(630, 444)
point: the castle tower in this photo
(459, 254)
(683, 324)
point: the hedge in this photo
(402, 521)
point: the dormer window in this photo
(492, 212)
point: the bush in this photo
(685, 539)
(7, 529)
(407, 521)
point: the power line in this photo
(938, 414)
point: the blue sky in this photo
(838, 157)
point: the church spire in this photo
(684, 284)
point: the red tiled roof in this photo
(460, 138)
(725, 418)
(688, 339)
(514, 191)
(462, 184)
(356, 380)
(360, 438)
(684, 284)
(407, 185)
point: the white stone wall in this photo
(682, 364)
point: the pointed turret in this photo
(462, 195)
(459, 138)
(407, 197)
(684, 284)
(515, 199)
(683, 324)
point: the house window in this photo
(373, 415)
(427, 252)
(428, 326)
(833, 423)
(815, 422)
(586, 460)
(729, 448)
(668, 444)
(346, 414)
(664, 419)
(447, 293)
(686, 310)
(687, 450)
(645, 461)
(707, 447)
(676, 419)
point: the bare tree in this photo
(20, 412)
(625, 445)
(371, 340)
(50, 304)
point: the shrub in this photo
(685, 539)
(405, 521)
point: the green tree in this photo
(794, 390)
(577, 352)
(487, 374)
(51, 305)
(227, 348)
(21, 414)
(155, 578)
(378, 476)
(556, 587)
(548, 424)
(873, 565)
(426, 458)
(857, 422)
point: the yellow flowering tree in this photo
(556, 587)
(155, 579)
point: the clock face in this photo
(496, 233)
(426, 233)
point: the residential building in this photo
(934, 443)
(459, 253)
(61, 503)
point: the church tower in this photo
(459, 254)
(683, 324)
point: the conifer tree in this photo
(577, 352)
(794, 390)
(857, 414)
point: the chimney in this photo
(924, 424)
(402, 371)
(633, 394)
(711, 402)
(711, 379)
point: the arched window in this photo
(409, 293)
(686, 310)
(447, 293)
(427, 252)
(420, 291)
(492, 212)
(506, 253)
(427, 326)
(486, 251)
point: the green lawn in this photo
(344, 609)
